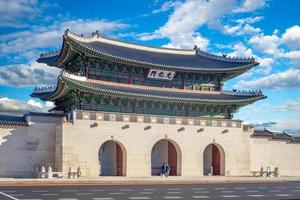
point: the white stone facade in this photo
(50, 141)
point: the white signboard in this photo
(161, 74)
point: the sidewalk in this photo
(143, 181)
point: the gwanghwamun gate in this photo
(123, 109)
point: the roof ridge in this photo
(197, 52)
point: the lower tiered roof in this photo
(69, 82)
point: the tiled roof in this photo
(271, 134)
(152, 56)
(263, 133)
(37, 114)
(295, 139)
(136, 91)
(11, 121)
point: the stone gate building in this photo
(123, 109)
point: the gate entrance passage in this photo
(214, 160)
(165, 151)
(112, 159)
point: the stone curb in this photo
(66, 182)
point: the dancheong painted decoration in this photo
(103, 74)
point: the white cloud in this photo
(185, 40)
(181, 27)
(20, 75)
(265, 65)
(249, 20)
(26, 44)
(266, 43)
(289, 106)
(286, 79)
(291, 37)
(288, 125)
(250, 6)
(166, 6)
(243, 26)
(241, 30)
(13, 106)
(14, 12)
(293, 56)
(241, 51)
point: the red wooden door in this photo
(216, 160)
(119, 160)
(172, 159)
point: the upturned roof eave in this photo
(68, 46)
(65, 84)
(101, 55)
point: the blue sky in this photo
(269, 30)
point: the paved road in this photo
(284, 191)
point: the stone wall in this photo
(48, 141)
(23, 149)
(273, 153)
(83, 139)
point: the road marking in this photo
(256, 195)
(262, 187)
(230, 196)
(124, 190)
(149, 189)
(172, 197)
(7, 195)
(18, 195)
(200, 197)
(174, 189)
(98, 190)
(295, 190)
(275, 190)
(68, 199)
(103, 198)
(40, 191)
(69, 190)
(146, 192)
(139, 198)
(251, 191)
(54, 194)
(32, 199)
(9, 191)
(197, 192)
(198, 188)
(283, 195)
(174, 192)
(240, 188)
(112, 193)
(84, 193)
(227, 191)
(220, 188)
(280, 187)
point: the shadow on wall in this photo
(25, 148)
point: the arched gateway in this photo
(214, 160)
(112, 159)
(166, 151)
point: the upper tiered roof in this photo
(143, 56)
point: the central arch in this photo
(112, 159)
(214, 160)
(166, 151)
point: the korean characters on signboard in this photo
(161, 74)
